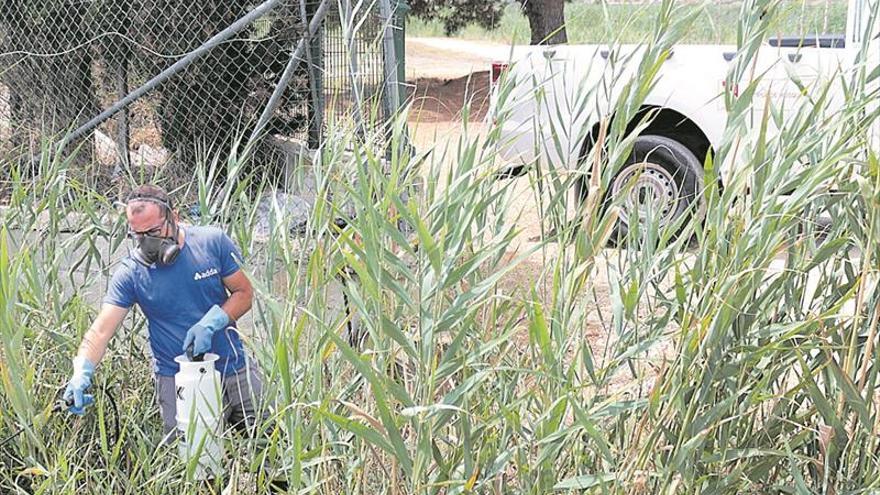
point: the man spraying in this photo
(188, 283)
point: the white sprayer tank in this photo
(199, 414)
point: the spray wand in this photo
(61, 405)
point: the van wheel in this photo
(658, 183)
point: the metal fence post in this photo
(295, 58)
(394, 47)
(390, 59)
(401, 10)
(315, 61)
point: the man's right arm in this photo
(95, 341)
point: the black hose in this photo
(116, 431)
(352, 338)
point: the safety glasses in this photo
(151, 232)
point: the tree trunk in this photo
(546, 21)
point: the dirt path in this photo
(448, 58)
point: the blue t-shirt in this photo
(176, 297)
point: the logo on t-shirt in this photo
(205, 274)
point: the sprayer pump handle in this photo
(197, 357)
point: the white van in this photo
(558, 96)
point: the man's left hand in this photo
(199, 335)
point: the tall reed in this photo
(739, 356)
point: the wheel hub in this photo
(649, 192)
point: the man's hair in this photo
(152, 194)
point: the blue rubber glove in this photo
(199, 336)
(83, 369)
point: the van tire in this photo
(660, 174)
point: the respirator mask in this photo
(149, 247)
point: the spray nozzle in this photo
(61, 404)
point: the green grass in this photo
(596, 23)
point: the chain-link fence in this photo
(62, 62)
(362, 55)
